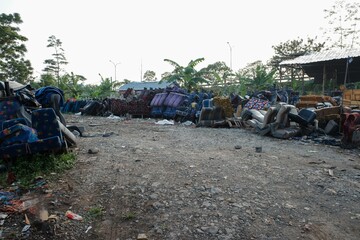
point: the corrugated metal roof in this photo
(141, 85)
(323, 56)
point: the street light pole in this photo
(115, 64)
(230, 55)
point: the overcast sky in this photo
(140, 34)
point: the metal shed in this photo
(339, 65)
(138, 86)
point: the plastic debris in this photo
(165, 122)
(88, 228)
(69, 214)
(44, 215)
(28, 204)
(27, 221)
(26, 228)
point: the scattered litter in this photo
(6, 196)
(165, 122)
(237, 147)
(69, 214)
(28, 204)
(93, 151)
(27, 221)
(331, 172)
(312, 151)
(188, 123)
(2, 219)
(53, 218)
(88, 228)
(26, 227)
(113, 117)
(44, 215)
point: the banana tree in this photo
(186, 76)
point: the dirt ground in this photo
(135, 179)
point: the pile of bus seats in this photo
(45, 134)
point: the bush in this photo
(26, 169)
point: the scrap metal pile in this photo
(278, 113)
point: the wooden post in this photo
(324, 79)
(303, 81)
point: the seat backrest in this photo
(45, 122)
(9, 108)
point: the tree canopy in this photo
(13, 65)
(187, 76)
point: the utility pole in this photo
(141, 72)
(230, 55)
(115, 64)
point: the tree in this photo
(54, 65)
(149, 76)
(13, 65)
(47, 79)
(290, 50)
(187, 77)
(106, 87)
(294, 48)
(72, 84)
(255, 76)
(218, 73)
(343, 20)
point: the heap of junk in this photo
(26, 128)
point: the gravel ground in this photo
(135, 179)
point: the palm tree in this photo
(187, 77)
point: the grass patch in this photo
(129, 216)
(26, 169)
(96, 212)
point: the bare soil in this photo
(181, 182)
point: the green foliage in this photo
(129, 216)
(149, 76)
(72, 85)
(290, 50)
(219, 74)
(95, 212)
(294, 48)
(54, 65)
(27, 168)
(47, 79)
(13, 65)
(187, 76)
(105, 89)
(254, 77)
